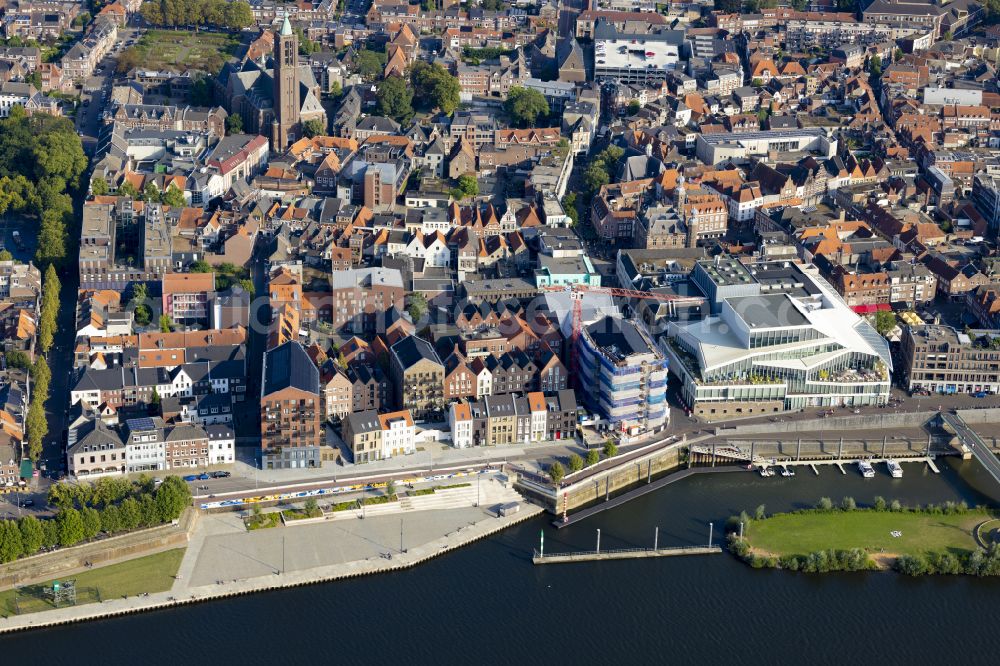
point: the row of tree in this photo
(235, 15)
(41, 162)
(980, 562)
(47, 320)
(73, 524)
(35, 423)
(171, 196)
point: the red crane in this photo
(576, 292)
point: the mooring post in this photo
(541, 543)
(753, 446)
(840, 450)
(713, 453)
(710, 526)
(798, 450)
(607, 488)
(649, 471)
(884, 438)
(598, 541)
(741, 531)
(927, 451)
(656, 539)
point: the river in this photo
(487, 603)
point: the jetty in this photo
(622, 554)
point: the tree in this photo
(130, 516)
(313, 128)
(172, 497)
(151, 192)
(237, 15)
(99, 187)
(569, 207)
(595, 177)
(947, 36)
(369, 64)
(37, 427)
(17, 359)
(824, 504)
(336, 90)
(395, 99)
(434, 87)
(91, 522)
(166, 323)
(234, 124)
(127, 189)
(468, 185)
(200, 266)
(884, 322)
(11, 546)
(32, 534)
(848, 504)
(729, 6)
(149, 513)
(593, 457)
(880, 504)
(417, 306)
(525, 105)
(71, 531)
(111, 519)
(575, 463)
(760, 514)
(556, 472)
(173, 197)
(610, 449)
(875, 66)
(633, 107)
(247, 285)
(390, 488)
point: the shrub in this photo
(880, 503)
(759, 514)
(911, 565)
(824, 504)
(895, 506)
(848, 504)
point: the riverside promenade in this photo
(223, 560)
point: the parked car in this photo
(221, 475)
(191, 477)
(979, 394)
(203, 477)
(157, 481)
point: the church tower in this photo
(286, 88)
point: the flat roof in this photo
(767, 311)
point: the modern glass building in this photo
(785, 340)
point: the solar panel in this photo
(144, 423)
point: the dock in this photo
(930, 463)
(641, 490)
(622, 554)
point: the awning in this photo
(870, 309)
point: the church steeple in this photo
(286, 88)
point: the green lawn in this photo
(179, 49)
(153, 573)
(801, 534)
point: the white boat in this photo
(866, 469)
(766, 472)
(786, 471)
(895, 469)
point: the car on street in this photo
(203, 477)
(979, 394)
(221, 475)
(191, 477)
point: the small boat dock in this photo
(622, 554)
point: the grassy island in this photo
(931, 539)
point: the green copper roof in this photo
(286, 28)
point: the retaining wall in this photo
(46, 566)
(887, 421)
(980, 416)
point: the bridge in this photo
(973, 443)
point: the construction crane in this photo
(576, 292)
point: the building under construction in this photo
(623, 375)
